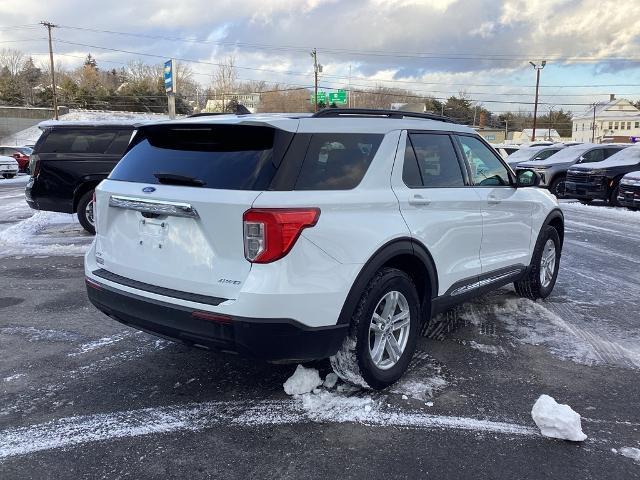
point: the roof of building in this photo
(605, 110)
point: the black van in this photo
(69, 160)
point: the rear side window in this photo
(596, 155)
(69, 140)
(436, 161)
(337, 161)
(233, 157)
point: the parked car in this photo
(231, 233)
(629, 191)
(533, 154)
(601, 180)
(21, 154)
(8, 167)
(69, 160)
(553, 170)
(505, 150)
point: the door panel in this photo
(506, 210)
(445, 219)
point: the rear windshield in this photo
(86, 140)
(232, 157)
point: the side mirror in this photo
(16, 156)
(527, 178)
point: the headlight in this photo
(597, 172)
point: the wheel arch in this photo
(555, 219)
(86, 185)
(405, 254)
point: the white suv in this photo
(297, 237)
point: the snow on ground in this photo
(611, 213)
(491, 349)
(532, 323)
(21, 178)
(44, 233)
(323, 407)
(557, 420)
(31, 134)
(99, 343)
(630, 452)
(303, 380)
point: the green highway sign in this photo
(322, 97)
(338, 97)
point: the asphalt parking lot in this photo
(82, 396)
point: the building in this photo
(218, 102)
(549, 134)
(615, 121)
(492, 135)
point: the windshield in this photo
(628, 156)
(524, 154)
(570, 153)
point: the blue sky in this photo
(438, 47)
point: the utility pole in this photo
(506, 129)
(537, 68)
(593, 126)
(316, 68)
(53, 75)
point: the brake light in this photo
(34, 165)
(270, 233)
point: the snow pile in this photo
(330, 407)
(303, 380)
(630, 452)
(557, 420)
(419, 389)
(330, 381)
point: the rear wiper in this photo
(177, 179)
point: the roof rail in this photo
(371, 112)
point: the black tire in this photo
(85, 221)
(633, 209)
(585, 202)
(353, 362)
(531, 286)
(8, 175)
(557, 186)
(613, 198)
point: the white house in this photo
(541, 134)
(218, 103)
(615, 121)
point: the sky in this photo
(433, 47)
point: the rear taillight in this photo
(270, 233)
(34, 165)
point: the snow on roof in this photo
(540, 132)
(606, 109)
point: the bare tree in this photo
(12, 59)
(225, 78)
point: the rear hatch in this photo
(170, 214)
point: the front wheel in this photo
(85, 212)
(557, 187)
(543, 271)
(383, 332)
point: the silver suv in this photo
(553, 170)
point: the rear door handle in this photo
(419, 200)
(493, 200)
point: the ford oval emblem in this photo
(149, 189)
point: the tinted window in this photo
(222, 156)
(486, 169)
(436, 160)
(611, 151)
(596, 155)
(337, 161)
(120, 143)
(544, 154)
(410, 171)
(78, 141)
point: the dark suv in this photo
(601, 180)
(69, 160)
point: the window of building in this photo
(637, 125)
(610, 125)
(615, 125)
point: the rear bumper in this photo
(629, 196)
(265, 339)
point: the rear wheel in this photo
(8, 175)
(557, 187)
(383, 332)
(543, 270)
(85, 212)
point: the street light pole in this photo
(537, 68)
